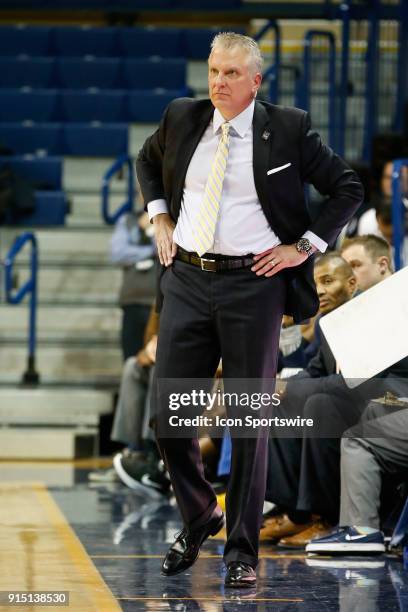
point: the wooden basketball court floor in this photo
(104, 544)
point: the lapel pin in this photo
(266, 135)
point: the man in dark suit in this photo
(223, 180)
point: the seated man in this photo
(311, 467)
(291, 484)
(366, 461)
(370, 258)
(131, 423)
(132, 248)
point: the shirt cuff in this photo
(156, 207)
(317, 242)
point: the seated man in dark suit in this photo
(287, 482)
(306, 470)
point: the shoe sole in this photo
(214, 532)
(133, 484)
(240, 585)
(346, 548)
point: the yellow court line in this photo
(264, 556)
(217, 599)
(98, 591)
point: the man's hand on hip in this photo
(274, 260)
(163, 231)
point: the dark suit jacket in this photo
(164, 159)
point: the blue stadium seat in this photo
(197, 42)
(85, 73)
(50, 209)
(42, 172)
(27, 72)
(141, 4)
(148, 106)
(106, 106)
(106, 140)
(32, 138)
(218, 5)
(21, 105)
(24, 40)
(152, 73)
(81, 4)
(145, 42)
(79, 41)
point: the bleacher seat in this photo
(27, 72)
(105, 106)
(146, 5)
(38, 106)
(145, 42)
(87, 73)
(22, 139)
(80, 41)
(50, 208)
(42, 172)
(95, 140)
(24, 40)
(105, 140)
(148, 106)
(152, 73)
(80, 4)
(197, 42)
(218, 5)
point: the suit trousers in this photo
(205, 316)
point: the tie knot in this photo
(225, 129)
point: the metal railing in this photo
(306, 89)
(272, 73)
(30, 376)
(127, 206)
(398, 212)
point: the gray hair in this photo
(228, 40)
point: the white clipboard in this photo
(370, 332)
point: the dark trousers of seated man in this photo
(304, 472)
(237, 316)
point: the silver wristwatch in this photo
(304, 246)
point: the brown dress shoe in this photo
(278, 527)
(318, 529)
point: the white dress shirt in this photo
(242, 227)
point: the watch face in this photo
(304, 245)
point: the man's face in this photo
(368, 272)
(386, 180)
(231, 83)
(333, 286)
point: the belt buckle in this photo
(205, 265)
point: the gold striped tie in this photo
(204, 229)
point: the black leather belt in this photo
(214, 262)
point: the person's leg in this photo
(134, 321)
(319, 481)
(249, 314)
(187, 349)
(129, 415)
(360, 484)
(364, 461)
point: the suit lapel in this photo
(189, 143)
(262, 140)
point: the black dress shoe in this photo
(182, 554)
(240, 575)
